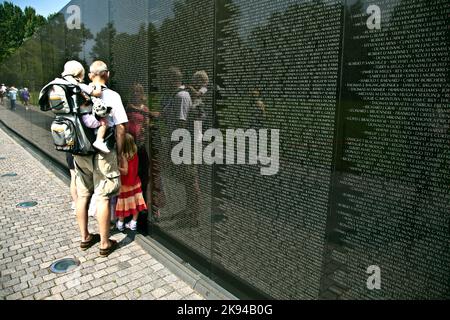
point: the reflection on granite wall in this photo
(359, 90)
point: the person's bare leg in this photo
(82, 217)
(103, 218)
(73, 186)
(102, 132)
(100, 140)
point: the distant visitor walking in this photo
(12, 94)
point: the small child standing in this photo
(131, 200)
(74, 73)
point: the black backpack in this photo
(69, 104)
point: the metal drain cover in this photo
(64, 265)
(12, 174)
(28, 204)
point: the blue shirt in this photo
(13, 94)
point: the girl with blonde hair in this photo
(131, 200)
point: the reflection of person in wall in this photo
(258, 110)
(176, 106)
(139, 126)
(139, 117)
(198, 90)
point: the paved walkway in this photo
(32, 239)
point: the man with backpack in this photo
(99, 173)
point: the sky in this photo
(43, 7)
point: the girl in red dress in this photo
(131, 201)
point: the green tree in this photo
(103, 42)
(16, 25)
(33, 21)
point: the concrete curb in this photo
(199, 282)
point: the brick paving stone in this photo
(193, 296)
(147, 296)
(95, 292)
(171, 278)
(178, 284)
(147, 288)
(105, 296)
(87, 278)
(185, 291)
(55, 297)
(83, 296)
(133, 294)
(68, 294)
(21, 286)
(42, 294)
(158, 293)
(109, 286)
(29, 244)
(49, 277)
(172, 296)
(46, 285)
(11, 283)
(58, 289)
(30, 291)
(6, 292)
(72, 283)
(18, 274)
(98, 282)
(84, 287)
(15, 296)
(120, 290)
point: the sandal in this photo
(106, 252)
(95, 238)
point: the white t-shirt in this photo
(184, 102)
(118, 114)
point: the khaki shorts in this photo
(98, 174)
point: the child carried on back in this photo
(74, 73)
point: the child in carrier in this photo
(197, 91)
(131, 200)
(74, 73)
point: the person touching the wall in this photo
(131, 201)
